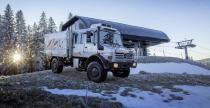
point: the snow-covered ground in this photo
(169, 68)
(78, 92)
(197, 97)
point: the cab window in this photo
(77, 38)
(89, 37)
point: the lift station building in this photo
(140, 37)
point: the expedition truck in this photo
(97, 50)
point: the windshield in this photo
(110, 37)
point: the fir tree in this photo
(39, 46)
(42, 30)
(8, 29)
(21, 32)
(30, 39)
(0, 25)
(0, 18)
(1, 36)
(34, 28)
(8, 41)
(36, 38)
(31, 49)
(51, 26)
(43, 23)
(70, 16)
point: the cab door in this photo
(90, 47)
(78, 45)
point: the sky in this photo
(179, 19)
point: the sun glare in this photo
(16, 57)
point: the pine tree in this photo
(39, 32)
(70, 16)
(8, 29)
(0, 24)
(31, 49)
(42, 29)
(34, 28)
(30, 39)
(43, 23)
(8, 41)
(36, 38)
(0, 19)
(1, 37)
(21, 32)
(51, 26)
(60, 26)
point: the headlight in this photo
(134, 64)
(115, 65)
(16, 57)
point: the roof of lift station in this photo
(128, 32)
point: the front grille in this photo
(124, 56)
(128, 56)
(119, 56)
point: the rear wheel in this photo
(56, 66)
(96, 73)
(122, 74)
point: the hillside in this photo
(161, 59)
(205, 61)
(141, 89)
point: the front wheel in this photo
(96, 73)
(56, 66)
(122, 74)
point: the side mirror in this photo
(100, 47)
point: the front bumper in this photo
(123, 65)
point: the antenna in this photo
(184, 45)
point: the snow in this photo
(169, 68)
(199, 97)
(80, 92)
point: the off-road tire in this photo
(96, 73)
(56, 66)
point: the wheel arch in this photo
(99, 59)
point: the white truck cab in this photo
(97, 50)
